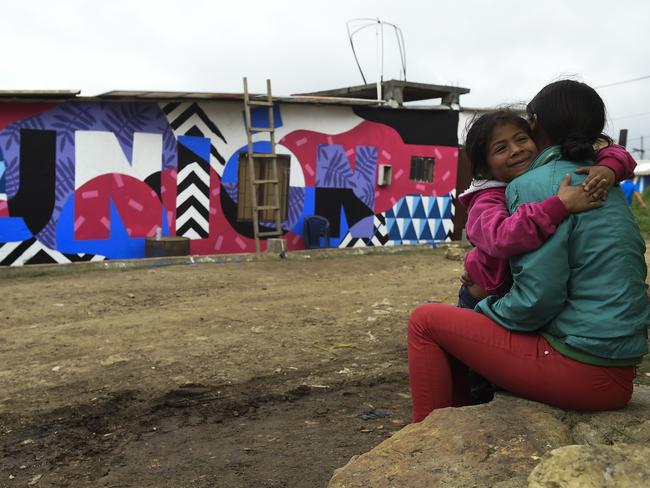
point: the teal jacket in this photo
(584, 290)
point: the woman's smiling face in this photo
(510, 152)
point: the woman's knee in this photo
(423, 315)
(430, 319)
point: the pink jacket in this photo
(497, 235)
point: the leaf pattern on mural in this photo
(34, 123)
(12, 138)
(70, 118)
(364, 174)
(231, 189)
(170, 149)
(11, 176)
(270, 224)
(334, 170)
(64, 180)
(333, 167)
(123, 118)
(296, 202)
(47, 235)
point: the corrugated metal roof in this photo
(406, 91)
(123, 95)
(164, 95)
(39, 94)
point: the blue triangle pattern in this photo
(389, 214)
(428, 203)
(417, 226)
(409, 202)
(419, 212)
(344, 228)
(393, 230)
(441, 235)
(410, 233)
(435, 212)
(448, 206)
(426, 233)
(403, 210)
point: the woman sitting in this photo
(574, 324)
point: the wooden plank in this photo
(271, 233)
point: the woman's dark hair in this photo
(572, 115)
(479, 134)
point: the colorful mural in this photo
(90, 180)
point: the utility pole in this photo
(640, 150)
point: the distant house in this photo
(642, 170)
(90, 178)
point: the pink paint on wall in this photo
(391, 148)
(139, 207)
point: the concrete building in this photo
(91, 178)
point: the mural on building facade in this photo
(91, 180)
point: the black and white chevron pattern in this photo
(193, 202)
(32, 251)
(189, 119)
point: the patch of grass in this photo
(642, 215)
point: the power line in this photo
(624, 81)
(632, 115)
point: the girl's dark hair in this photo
(572, 115)
(479, 135)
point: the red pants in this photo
(444, 341)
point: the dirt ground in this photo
(250, 374)
(246, 374)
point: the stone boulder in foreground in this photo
(509, 443)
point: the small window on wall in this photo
(422, 169)
(263, 171)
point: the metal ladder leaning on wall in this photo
(263, 158)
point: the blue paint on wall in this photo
(118, 246)
(13, 229)
(344, 229)
(230, 172)
(3, 169)
(308, 209)
(198, 145)
(260, 117)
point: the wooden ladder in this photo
(263, 158)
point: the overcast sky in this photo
(504, 51)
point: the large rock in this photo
(498, 444)
(620, 465)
